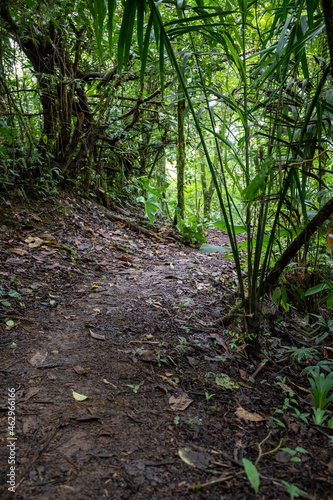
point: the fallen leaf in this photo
(149, 355)
(19, 251)
(282, 457)
(38, 358)
(96, 309)
(34, 241)
(286, 388)
(327, 352)
(244, 375)
(79, 370)
(192, 361)
(219, 340)
(79, 397)
(246, 415)
(84, 246)
(32, 391)
(180, 403)
(124, 259)
(96, 336)
(169, 382)
(225, 381)
(193, 458)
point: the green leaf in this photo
(10, 322)
(293, 490)
(237, 60)
(6, 304)
(316, 289)
(311, 6)
(111, 9)
(258, 183)
(144, 55)
(213, 248)
(140, 23)
(220, 223)
(79, 397)
(276, 296)
(299, 449)
(252, 474)
(185, 61)
(151, 206)
(329, 301)
(126, 33)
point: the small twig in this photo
(258, 370)
(143, 342)
(261, 454)
(18, 318)
(221, 479)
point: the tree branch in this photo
(297, 244)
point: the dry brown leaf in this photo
(180, 403)
(32, 391)
(96, 336)
(244, 375)
(149, 355)
(169, 382)
(329, 240)
(79, 370)
(38, 358)
(327, 352)
(219, 340)
(19, 251)
(34, 241)
(285, 387)
(246, 415)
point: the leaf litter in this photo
(128, 431)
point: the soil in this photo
(174, 399)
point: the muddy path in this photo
(131, 322)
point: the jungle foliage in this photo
(98, 95)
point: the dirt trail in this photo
(130, 322)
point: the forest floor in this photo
(175, 401)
